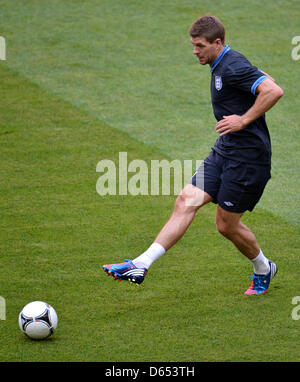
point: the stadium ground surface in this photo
(83, 81)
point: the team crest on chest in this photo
(218, 82)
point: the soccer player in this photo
(236, 171)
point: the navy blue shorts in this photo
(235, 186)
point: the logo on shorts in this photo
(218, 82)
(229, 204)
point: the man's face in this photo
(205, 51)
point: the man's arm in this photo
(268, 94)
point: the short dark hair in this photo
(209, 27)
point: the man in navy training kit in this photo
(237, 169)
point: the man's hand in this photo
(229, 124)
(268, 93)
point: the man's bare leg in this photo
(230, 226)
(187, 204)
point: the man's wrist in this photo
(245, 120)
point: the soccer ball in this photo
(38, 320)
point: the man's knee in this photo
(191, 198)
(182, 204)
(227, 223)
(223, 227)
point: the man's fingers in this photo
(221, 124)
(224, 129)
(224, 132)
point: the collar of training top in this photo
(219, 58)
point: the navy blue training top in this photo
(233, 91)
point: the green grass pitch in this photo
(85, 80)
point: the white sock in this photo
(148, 257)
(261, 264)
